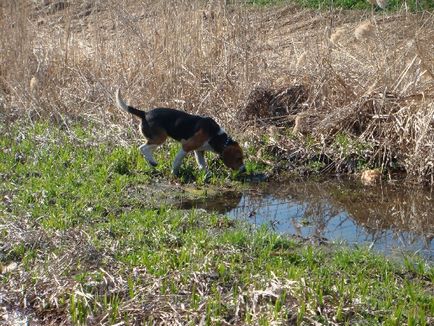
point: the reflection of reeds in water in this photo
(381, 213)
(392, 209)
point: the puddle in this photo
(390, 219)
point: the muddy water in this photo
(390, 219)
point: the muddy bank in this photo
(294, 136)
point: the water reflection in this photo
(388, 218)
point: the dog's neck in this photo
(220, 141)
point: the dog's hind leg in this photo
(158, 138)
(146, 150)
(178, 161)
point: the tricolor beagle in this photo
(195, 133)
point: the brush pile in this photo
(274, 105)
(344, 90)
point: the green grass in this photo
(412, 5)
(96, 242)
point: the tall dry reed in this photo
(67, 60)
(373, 80)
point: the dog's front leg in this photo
(178, 161)
(200, 159)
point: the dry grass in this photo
(372, 80)
(178, 54)
(364, 31)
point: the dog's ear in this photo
(232, 156)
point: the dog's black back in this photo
(180, 125)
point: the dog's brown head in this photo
(232, 157)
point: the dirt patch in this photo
(176, 195)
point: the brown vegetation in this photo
(328, 71)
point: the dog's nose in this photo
(242, 169)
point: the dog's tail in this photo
(124, 106)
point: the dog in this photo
(195, 133)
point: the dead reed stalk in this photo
(62, 60)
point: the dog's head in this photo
(232, 157)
